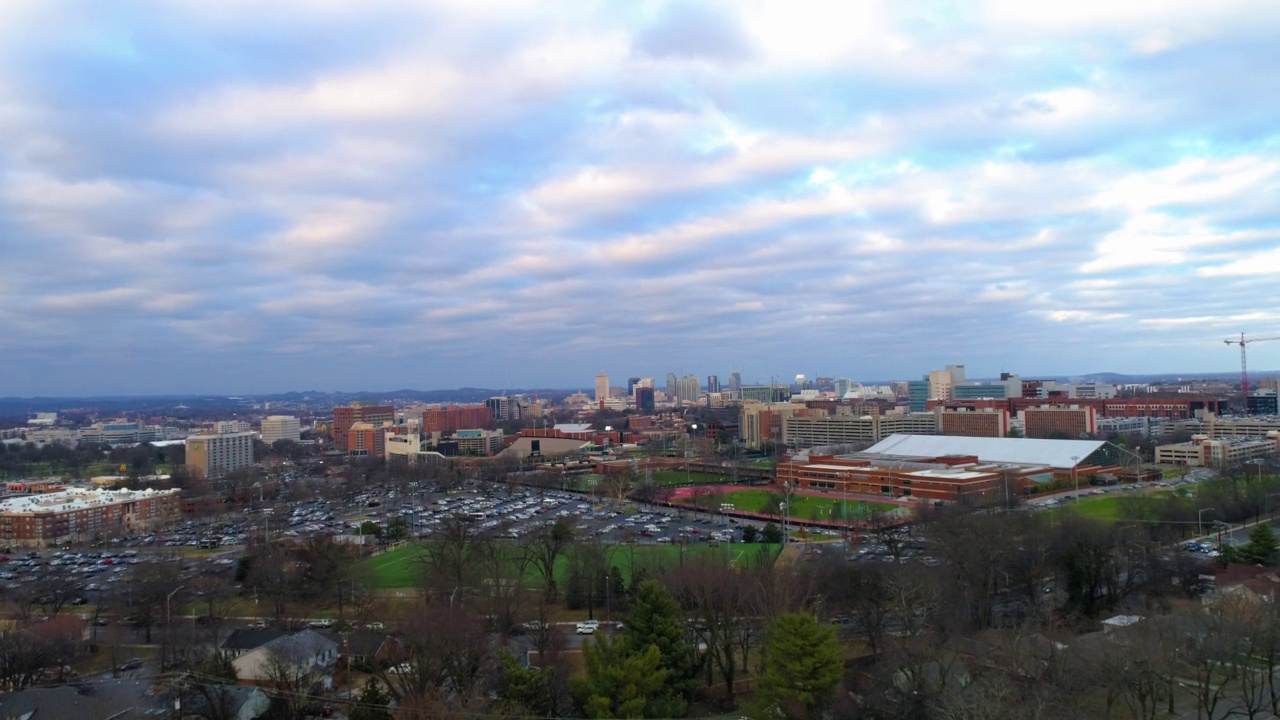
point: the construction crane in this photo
(1244, 342)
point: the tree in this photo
(526, 691)
(654, 621)
(771, 534)
(618, 685)
(803, 663)
(371, 703)
(397, 529)
(545, 547)
(749, 534)
(1262, 546)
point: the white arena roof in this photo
(1017, 451)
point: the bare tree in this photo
(545, 546)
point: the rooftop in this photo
(74, 499)
(1018, 451)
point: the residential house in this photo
(305, 655)
(243, 640)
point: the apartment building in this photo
(1057, 421)
(449, 419)
(974, 423)
(82, 515)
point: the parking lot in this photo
(517, 515)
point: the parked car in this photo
(588, 627)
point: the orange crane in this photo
(1244, 365)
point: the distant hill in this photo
(318, 400)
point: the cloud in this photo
(522, 193)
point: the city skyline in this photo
(233, 198)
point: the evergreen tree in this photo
(371, 703)
(803, 664)
(654, 621)
(525, 691)
(618, 685)
(1262, 545)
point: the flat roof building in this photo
(980, 423)
(81, 514)
(281, 427)
(214, 455)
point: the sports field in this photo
(806, 507)
(401, 568)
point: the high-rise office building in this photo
(644, 399)
(690, 390)
(735, 381)
(631, 386)
(602, 387)
(281, 427)
(918, 394)
(713, 383)
(673, 385)
(841, 386)
(501, 408)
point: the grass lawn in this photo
(399, 568)
(1098, 508)
(806, 507)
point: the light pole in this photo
(1200, 521)
(167, 598)
(1075, 475)
(1266, 503)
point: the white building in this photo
(281, 427)
(213, 455)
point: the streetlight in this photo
(1200, 521)
(1266, 503)
(167, 598)
(608, 580)
(1075, 475)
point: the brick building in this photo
(449, 419)
(80, 515)
(367, 440)
(1056, 421)
(974, 423)
(856, 476)
(345, 417)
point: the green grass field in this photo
(805, 507)
(400, 568)
(1098, 508)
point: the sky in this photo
(246, 197)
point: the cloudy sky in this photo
(239, 196)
